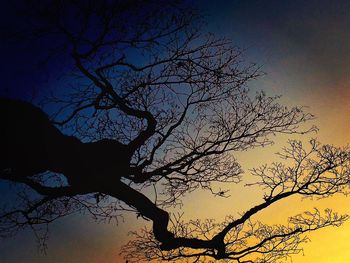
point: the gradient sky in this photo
(304, 48)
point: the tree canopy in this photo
(155, 102)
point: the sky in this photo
(304, 49)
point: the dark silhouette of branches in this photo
(156, 103)
(321, 171)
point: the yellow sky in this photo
(332, 109)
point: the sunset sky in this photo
(304, 49)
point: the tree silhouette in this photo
(156, 103)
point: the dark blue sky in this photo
(314, 33)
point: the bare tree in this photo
(156, 103)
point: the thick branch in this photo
(30, 145)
